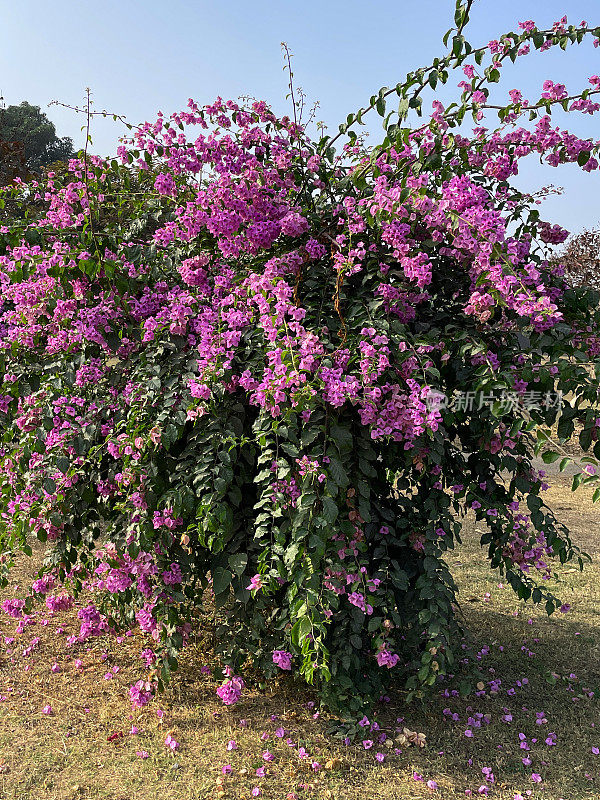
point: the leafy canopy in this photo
(29, 126)
(248, 374)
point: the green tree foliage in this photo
(29, 126)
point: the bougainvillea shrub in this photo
(247, 369)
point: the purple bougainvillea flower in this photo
(255, 583)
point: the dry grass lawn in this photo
(85, 749)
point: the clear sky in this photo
(138, 57)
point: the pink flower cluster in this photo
(230, 690)
(283, 659)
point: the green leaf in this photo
(49, 485)
(342, 437)
(550, 456)
(299, 630)
(459, 14)
(330, 509)
(238, 563)
(585, 438)
(291, 553)
(434, 161)
(338, 473)
(63, 463)
(457, 45)
(221, 579)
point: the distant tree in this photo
(12, 162)
(27, 126)
(581, 259)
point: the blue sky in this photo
(139, 57)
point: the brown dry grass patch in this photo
(85, 749)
